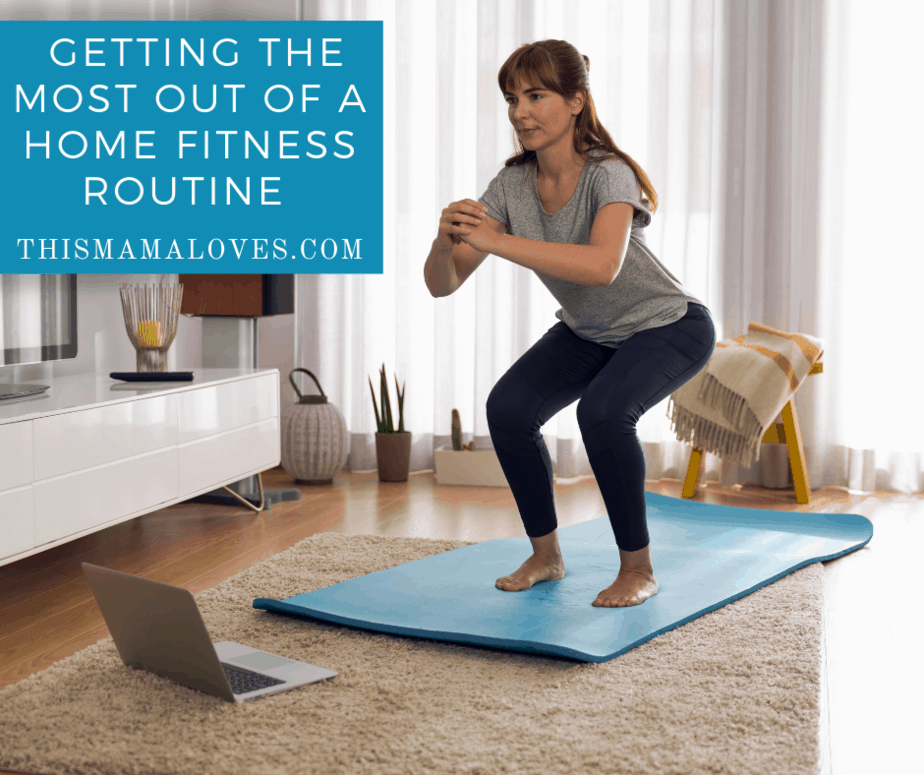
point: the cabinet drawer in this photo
(220, 408)
(17, 527)
(227, 457)
(15, 455)
(91, 437)
(80, 501)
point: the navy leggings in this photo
(616, 387)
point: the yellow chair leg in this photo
(796, 452)
(689, 484)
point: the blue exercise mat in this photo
(704, 555)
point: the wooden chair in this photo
(786, 432)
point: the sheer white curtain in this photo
(128, 10)
(868, 429)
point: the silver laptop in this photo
(158, 627)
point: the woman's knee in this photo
(510, 404)
(593, 410)
(588, 413)
(594, 414)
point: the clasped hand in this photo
(466, 221)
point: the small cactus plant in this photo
(456, 431)
(457, 435)
(385, 423)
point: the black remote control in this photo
(153, 376)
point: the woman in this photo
(568, 206)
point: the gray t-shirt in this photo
(643, 295)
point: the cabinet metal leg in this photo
(246, 502)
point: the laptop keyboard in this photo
(243, 681)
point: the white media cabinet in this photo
(92, 451)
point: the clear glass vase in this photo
(151, 316)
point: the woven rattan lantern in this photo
(315, 439)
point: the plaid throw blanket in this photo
(728, 406)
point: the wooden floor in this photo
(873, 680)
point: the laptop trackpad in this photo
(258, 660)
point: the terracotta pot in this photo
(393, 453)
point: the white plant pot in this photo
(479, 468)
(773, 468)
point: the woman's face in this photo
(541, 117)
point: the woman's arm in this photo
(446, 270)
(595, 264)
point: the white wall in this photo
(103, 345)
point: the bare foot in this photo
(537, 568)
(632, 587)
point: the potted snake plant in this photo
(392, 447)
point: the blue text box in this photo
(191, 147)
